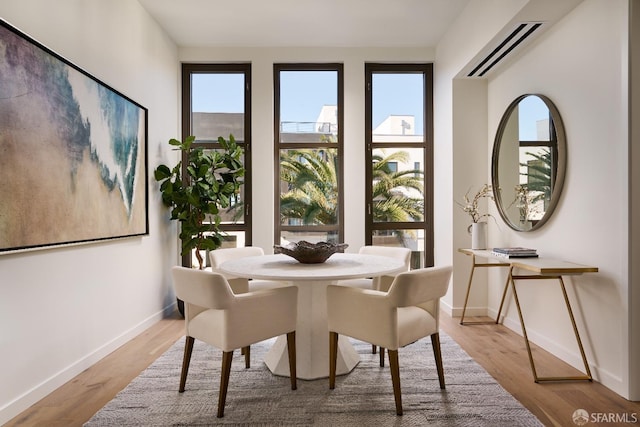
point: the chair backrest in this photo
(219, 256)
(418, 286)
(202, 288)
(403, 254)
(382, 283)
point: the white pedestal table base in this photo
(312, 338)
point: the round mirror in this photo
(528, 162)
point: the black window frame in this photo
(427, 145)
(338, 145)
(189, 69)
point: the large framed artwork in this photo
(73, 152)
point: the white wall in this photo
(262, 60)
(63, 309)
(460, 126)
(584, 72)
(580, 62)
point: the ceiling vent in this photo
(521, 33)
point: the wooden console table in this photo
(542, 268)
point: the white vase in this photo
(479, 235)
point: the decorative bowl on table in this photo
(310, 253)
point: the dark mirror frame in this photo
(556, 128)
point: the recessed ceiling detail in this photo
(523, 32)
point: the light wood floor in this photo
(498, 349)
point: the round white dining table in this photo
(312, 332)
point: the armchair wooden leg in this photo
(247, 356)
(374, 349)
(188, 349)
(382, 357)
(291, 347)
(395, 378)
(227, 357)
(333, 357)
(435, 343)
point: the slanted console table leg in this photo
(475, 264)
(537, 379)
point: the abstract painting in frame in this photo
(73, 152)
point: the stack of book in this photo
(516, 252)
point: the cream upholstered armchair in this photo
(215, 315)
(407, 312)
(380, 283)
(238, 284)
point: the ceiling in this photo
(305, 23)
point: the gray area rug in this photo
(362, 398)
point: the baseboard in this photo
(457, 312)
(23, 402)
(573, 358)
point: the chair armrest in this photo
(432, 307)
(363, 314)
(239, 285)
(383, 283)
(283, 297)
(264, 313)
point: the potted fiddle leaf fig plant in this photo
(198, 192)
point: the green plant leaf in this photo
(162, 172)
(212, 178)
(186, 145)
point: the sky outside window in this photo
(304, 93)
(531, 111)
(400, 94)
(217, 93)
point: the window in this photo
(308, 152)
(538, 149)
(399, 138)
(216, 101)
